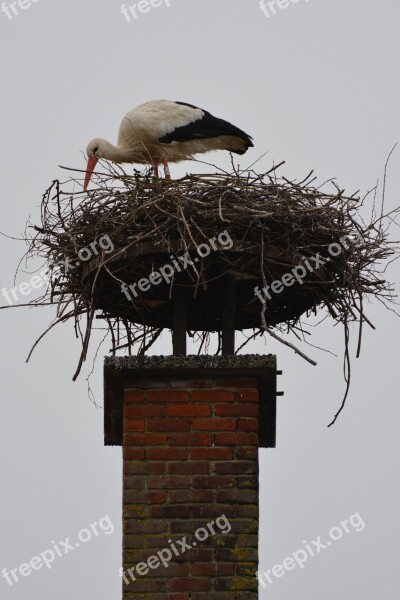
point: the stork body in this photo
(160, 131)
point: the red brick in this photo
(145, 439)
(168, 425)
(226, 569)
(247, 481)
(242, 496)
(168, 482)
(189, 468)
(148, 497)
(213, 511)
(159, 541)
(247, 540)
(133, 541)
(189, 439)
(173, 570)
(178, 511)
(214, 482)
(240, 467)
(236, 439)
(133, 497)
(167, 453)
(145, 411)
(247, 583)
(133, 453)
(231, 554)
(247, 396)
(146, 526)
(212, 396)
(248, 511)
(229, 541)
(247, 453)
(134, 425)
(131, 557)
(205, 570)
(214, 425)
(140, 467)
(182, 527)
(236, 410)
(248, 425)
(134, 482)
(188, 410)
(247, 569)
(212, 453)
(134, 396)
(203, 585)
(167, 396)
(224, 584)
(191, 496)
(146, 585)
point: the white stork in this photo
(160, 131)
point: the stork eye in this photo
(95, 150)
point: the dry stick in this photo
(82, 358)
(156, 335)
(111, 330)
(384, 178)
(347, 372)
(248, 340)
(361, 310)
(128, 335)
(265, 326)
(30, 304)
(64, 318)
(91, 395)
(88, 328)
(285, 343)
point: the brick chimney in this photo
(190, 428)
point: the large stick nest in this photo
(275, 226)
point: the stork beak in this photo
(91, 163)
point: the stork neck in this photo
(114, 153)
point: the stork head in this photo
(94, 151)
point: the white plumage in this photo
(160, 131)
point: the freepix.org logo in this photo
(177, 548)
(312, 548)
(179, 263)
(63, 267)
(47, 557)
(12, 9)
(269, 7)
(309, 265)
(141, 8)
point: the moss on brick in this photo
(245, 554)
(244, 583)
(247, 569)
(138, 509)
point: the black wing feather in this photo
(206, 127)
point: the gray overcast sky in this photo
(317, 85)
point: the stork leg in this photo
(155, 170)
(166, 167)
